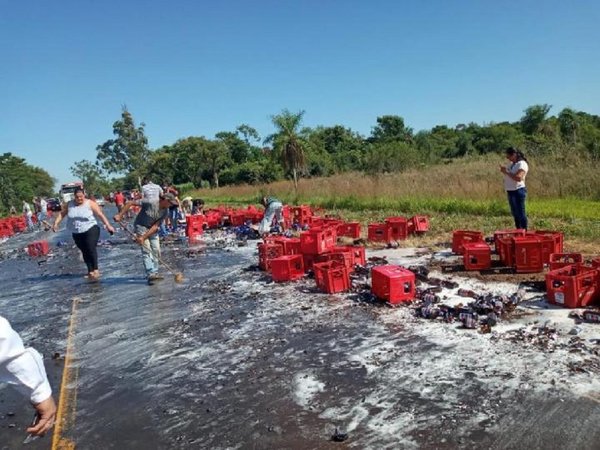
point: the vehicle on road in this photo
(53, 204)
(67, 191)
(98, 199)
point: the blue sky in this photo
(199, 67)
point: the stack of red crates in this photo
(462, 237)
(527, 252)
(268, 252)
(6, 228)
(397, 228)
(301, 215)
(394, 284)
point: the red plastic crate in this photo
(38, 248)
(379, 232)
(309, 260)
(291, 246)
(461, 237)
(317, 242)
(267, 253)
(349, 229)
(287, 268)
(506, 234)
(358, 253)
(393, 283)
(529, 255)
(477, 256)
(301, 214)
(398, 227)
(420, 224)
(212, 219)
(556, 236)
(344, 257)
(315, 222)
(560, 260)
(331, 277)
(194, 225)
(572, 286)
(505, 247)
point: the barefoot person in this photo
(514, 184)
(147, 223)
(81, 221)
(24, 368)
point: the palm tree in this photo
(288, 142)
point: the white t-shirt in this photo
(509, 183)
(22, 367)
(151, 192)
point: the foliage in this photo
(288, 142)
(92, 177)
(128, 152)
(21, 181)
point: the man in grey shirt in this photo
(146, 225)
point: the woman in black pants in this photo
(82, 222)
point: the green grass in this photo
(579, 219)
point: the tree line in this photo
(293, 151)
(21, 181)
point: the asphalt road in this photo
(228, 359)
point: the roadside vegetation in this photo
(449, 172)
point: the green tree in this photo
(391, 128)
(288, 143)
(569, 125)
(21, 181)
(128, 152)
(188, 160)
(534, 117)
(344, 149)
(216, 156)
(91, 175)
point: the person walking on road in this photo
(28, 214)
(81, 214)
(147, 224)
(119, 200)
(273, 208)
(514, 184)
(43, 213)
(24, 368)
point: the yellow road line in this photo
(67, 399)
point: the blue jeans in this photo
(150, 250)
(516, 201)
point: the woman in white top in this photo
(82, 222)
(514, 184)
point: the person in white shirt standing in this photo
(514, 184)
(24, 368)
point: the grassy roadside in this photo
(579, 220)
